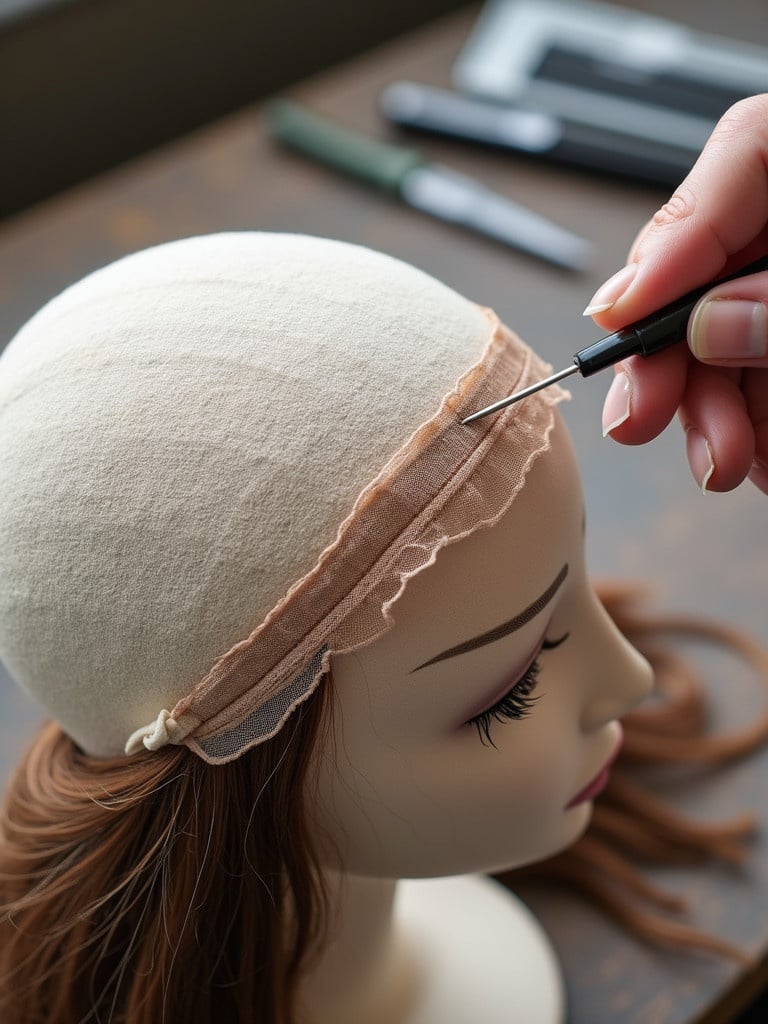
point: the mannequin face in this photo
(419, 776)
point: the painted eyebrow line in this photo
(505, 628)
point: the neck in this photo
(446, 951)
(361, 975)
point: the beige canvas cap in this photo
(220, 460)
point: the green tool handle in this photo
(375, 162)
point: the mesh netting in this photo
(447, 481)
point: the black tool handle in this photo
(534, 132)
(655, 332)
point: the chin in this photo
(575, 824)
(559, 843)
(578, 818)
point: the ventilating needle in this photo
(651, 334)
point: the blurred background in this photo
(86, 84)
(126, 123)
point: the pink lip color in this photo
(600, 781)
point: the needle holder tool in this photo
(653, 333)
(435, 190)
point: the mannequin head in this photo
(411, 785)
(235, 529)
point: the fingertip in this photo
(644, 395)
(719, 435)
(730, 327)
(758, 472)
(617, 405)
(758, 475)
(701, 457)
(609, 293)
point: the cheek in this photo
(476, 808)
(521, 786)
(514, 797)
(364, 801)
(448, 804)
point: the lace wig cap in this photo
(221, 460)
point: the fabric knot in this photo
(164, 730)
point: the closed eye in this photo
(517, 702)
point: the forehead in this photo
(496, 572)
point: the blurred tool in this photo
(533, 132)
(432, 188)
(653, 333)
(610, 70)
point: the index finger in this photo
(719, 211)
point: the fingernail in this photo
(610, 292)
(617, 402)
(729, 329)
(700, 457)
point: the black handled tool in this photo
(653, 333)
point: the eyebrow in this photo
(505, 628)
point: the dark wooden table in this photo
(646, 518)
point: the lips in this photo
(600, 781)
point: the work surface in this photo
(646, 519)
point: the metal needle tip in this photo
(518, 395)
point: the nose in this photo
(621, 675)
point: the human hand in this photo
(716, 222)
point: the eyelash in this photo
(517, 702)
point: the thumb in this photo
(716, 221)
(729, 325)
